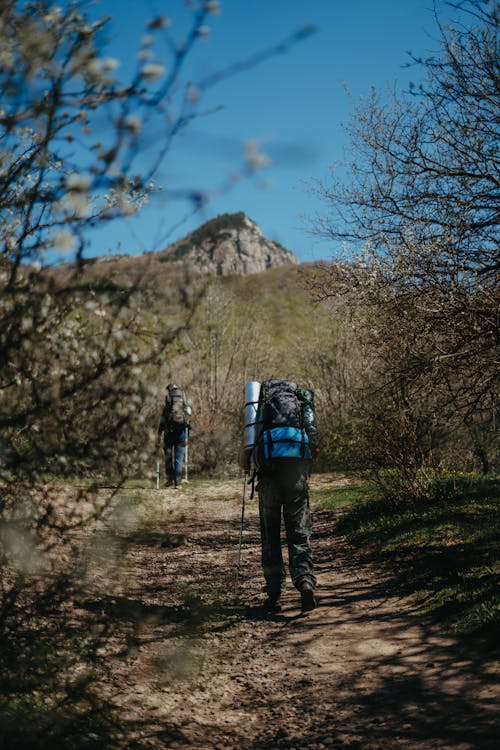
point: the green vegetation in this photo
(219, 223)
(353, 493)
(207, 230)
(443, 552)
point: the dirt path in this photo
(364, 670)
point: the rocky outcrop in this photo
(228, 244)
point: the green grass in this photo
(330, 498)
(443, 552)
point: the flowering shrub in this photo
(76, 358)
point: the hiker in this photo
(175, 426)
(286, 441)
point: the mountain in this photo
(227, 245)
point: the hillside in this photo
(219, 308)
(171, 280)
(228, 245)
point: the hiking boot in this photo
(273, 603)
(308, 600)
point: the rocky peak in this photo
(228, 244)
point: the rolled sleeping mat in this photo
(252, 391)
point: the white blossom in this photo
(152, 71)
(78, 182)
(64, 240)
(134, 124)
(93, 69)
(53, 15)
(98, 70)
(144, 54)
(79, 203)
(109, 64)
(126, 206)
(255, 158)
(203, 31)
(213, 7)
(192, 94)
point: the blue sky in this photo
(293, 105)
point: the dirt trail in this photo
(364, 670)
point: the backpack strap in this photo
(270, 443)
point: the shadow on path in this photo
(368, 670)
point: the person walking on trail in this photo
(175, 426)
(286, 442)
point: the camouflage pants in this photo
(285, 491)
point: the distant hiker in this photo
(175, 426)
(286, 440)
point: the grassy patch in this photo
(330, 498)
(444, 552)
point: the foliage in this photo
(69, 355)
(72, 355)
(200, 235)
(443, 548)
(256, 327)
(422, 211)
(351, 492)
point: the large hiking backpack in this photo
(176, 407)
(283, 435)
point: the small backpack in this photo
(176, 407)
(283, 434)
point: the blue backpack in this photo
(282, 435)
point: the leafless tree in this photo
(420, 218)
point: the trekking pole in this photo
(186, 459)
(241, 534)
